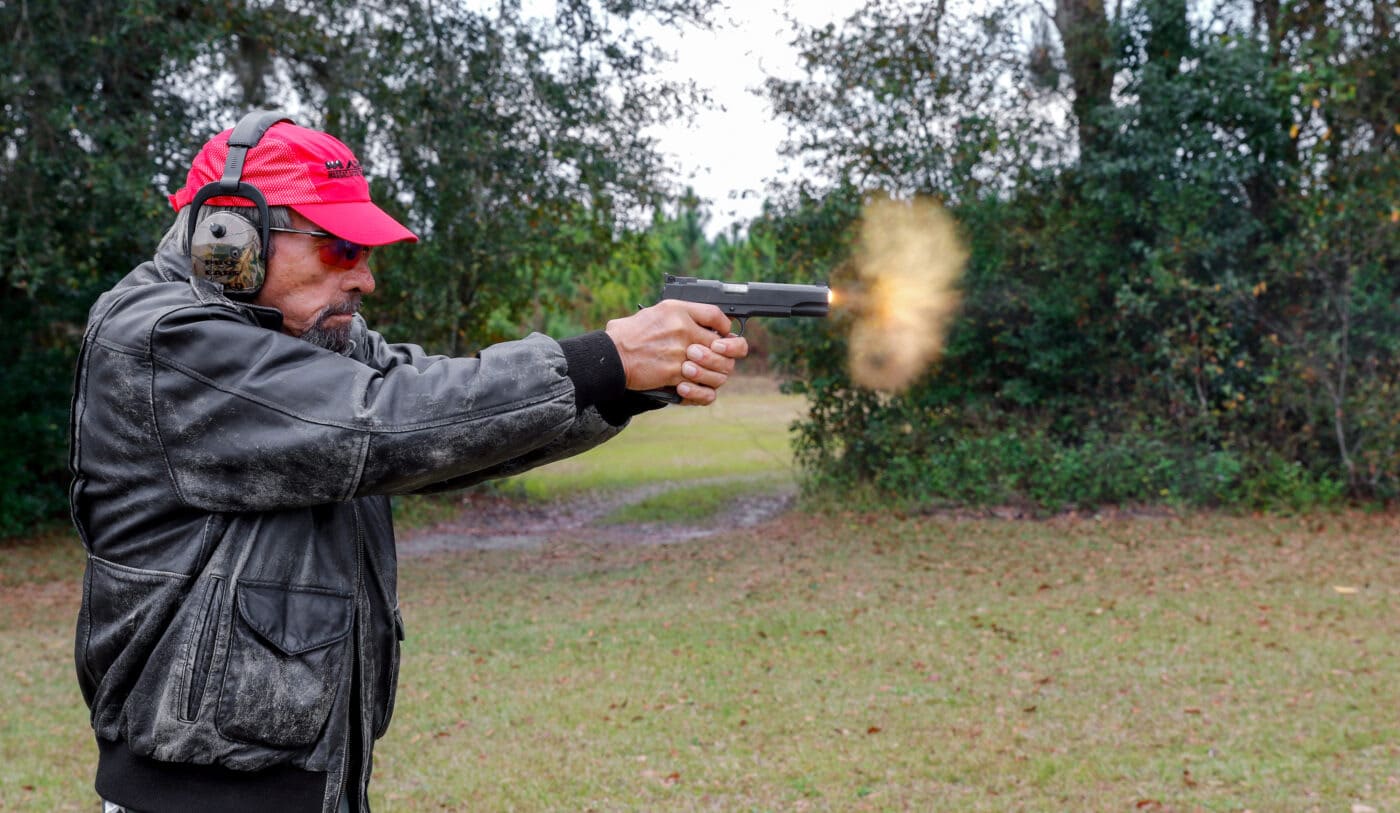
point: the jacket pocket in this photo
(285, 662)
(385, 709)
(208, 631)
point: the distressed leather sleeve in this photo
(591, 362)
(587, 431)
(373, 349)
(252, 419)
(604, 406)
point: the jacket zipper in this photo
(358, 711)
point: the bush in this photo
(1037, 470)
(1195, 306)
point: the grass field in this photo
(843, 661)
(742, 435)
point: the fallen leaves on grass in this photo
(669, 780)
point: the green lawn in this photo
(743, 435)
(842, 662)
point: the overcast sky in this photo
(728, 152)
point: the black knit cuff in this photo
(595, 368)
(620, 410)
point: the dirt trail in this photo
(499, 523)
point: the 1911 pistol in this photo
(743, 300)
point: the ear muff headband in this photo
(246, 134)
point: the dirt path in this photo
(499, 523)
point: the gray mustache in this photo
(349, 307)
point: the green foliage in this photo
(951, 464)
(1334, 332)
(1195, 305)
(631, 276)
(908, 98)
(84, 123)
(517, 148)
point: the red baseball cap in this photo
(310, 171)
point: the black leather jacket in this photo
(230, 488)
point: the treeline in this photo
(1185, 254)
(1182, 220)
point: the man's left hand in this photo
(706, 369)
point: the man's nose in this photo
(358, 279)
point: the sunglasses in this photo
(337, 251)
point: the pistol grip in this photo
(665, 395)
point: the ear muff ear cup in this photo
(227, 248)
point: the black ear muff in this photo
(225, 247)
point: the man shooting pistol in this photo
(742, 300)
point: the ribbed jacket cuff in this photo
(621, 410)
(595, 368)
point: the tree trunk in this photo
(1083, 28)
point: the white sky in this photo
(728, 152)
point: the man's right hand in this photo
(678, 344)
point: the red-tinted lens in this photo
(343, 253)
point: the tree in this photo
(85, 118)
(911, 100)
(513, 145)
(1089, 54)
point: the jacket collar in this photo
(174, 266)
